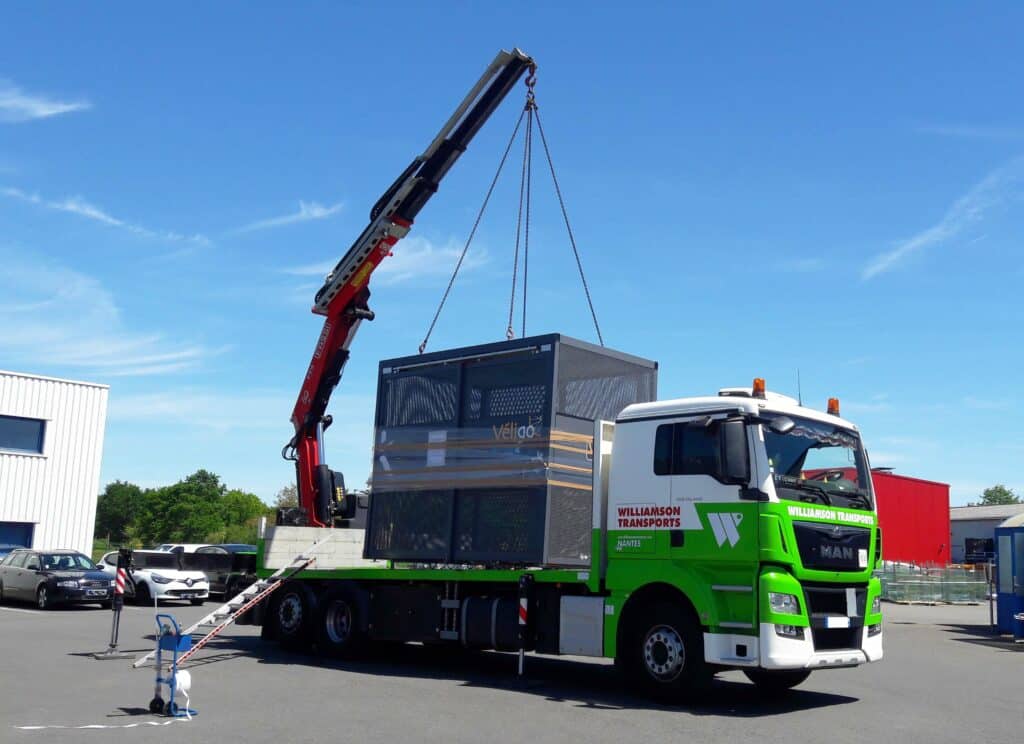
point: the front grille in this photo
(825, 601)
(829, 547)
(179, 592)
(94, 584)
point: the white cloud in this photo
(992, 191)
(973, 131)
(51, 315)
(18, 106)
(414, 259)
(307, 211)
(78, 206)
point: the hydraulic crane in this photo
(344, 297)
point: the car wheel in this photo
(663, 652)
(43, 599)
(1, 592)
(776, 681)
(295, 616)
(339, 633)
(142, 595)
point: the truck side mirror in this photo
(735, 459)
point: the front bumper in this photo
(80, 594)
(835, 625)
(179, 590)
(778, 652)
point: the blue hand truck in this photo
(169, 639)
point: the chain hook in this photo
(531, 82)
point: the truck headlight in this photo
(784, 604)
(160, 579)
(876, 605)
(72, 584)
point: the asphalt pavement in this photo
(944, 679)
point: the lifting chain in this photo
(530, 112)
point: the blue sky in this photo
(753, 190)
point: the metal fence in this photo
(907, 582)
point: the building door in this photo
(17, 534)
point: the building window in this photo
(19, 434)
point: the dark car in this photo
(52, 577)
(230, 567)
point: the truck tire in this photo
(662, 652)
(776, 681)
(340, 633)
(294, 616)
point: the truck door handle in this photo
(676, 538)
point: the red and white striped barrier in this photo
(119, 581)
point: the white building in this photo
(51, 445)
(974, 529)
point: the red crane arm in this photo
(344, 297)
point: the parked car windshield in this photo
(65, 562)
(820, 463)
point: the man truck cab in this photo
(756, 517)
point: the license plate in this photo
(96, 592)
(187, 595)
(837, 621)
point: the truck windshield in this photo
(820, 463)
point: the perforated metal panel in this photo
(474, 461)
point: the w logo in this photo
(726, 527)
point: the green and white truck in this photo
(735, 531)
(509, 512)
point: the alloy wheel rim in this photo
(664, 653)
(338, 621)
(289, 614)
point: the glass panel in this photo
(1005, 564)
(21, 434)
(695, 451)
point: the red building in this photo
(914, 517)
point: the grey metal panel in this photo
(57, 490)
(475, 501)
(581, 626)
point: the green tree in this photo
(287, 497)
(238, 507)
(187, 511)
(999, 494)
(116, 509)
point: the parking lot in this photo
(944, 679)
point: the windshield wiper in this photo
(858, 496)
(802, 485)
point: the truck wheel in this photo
(340, 635)
(663, 652)
(776, 681)
(295, 615)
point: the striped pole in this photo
(524, 618)
(124, 560)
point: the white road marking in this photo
(105, 726)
